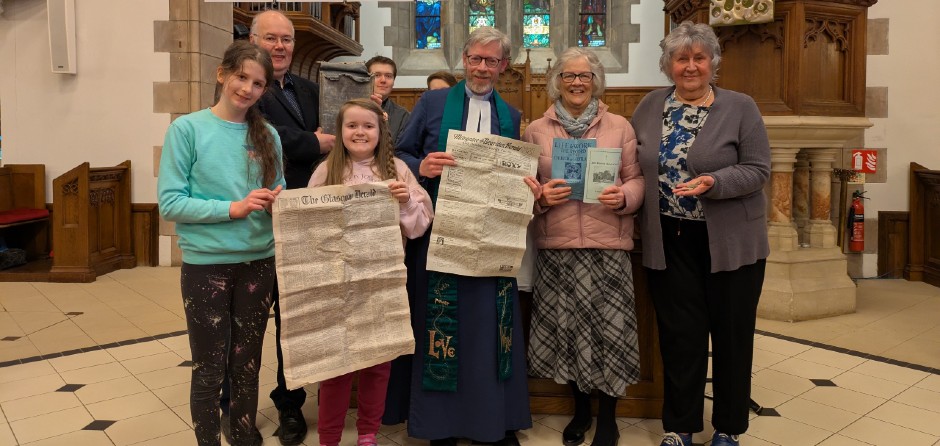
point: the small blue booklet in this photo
(569, 162)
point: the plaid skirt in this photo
(584, 320)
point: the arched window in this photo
(592, 23)
(536, 20)
(428, 24)
(481, 13)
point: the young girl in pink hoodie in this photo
(363, 154)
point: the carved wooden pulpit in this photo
(809, 60)
(91, 222)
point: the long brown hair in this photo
(338, 162)
(259, 135)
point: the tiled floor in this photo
(106, 363)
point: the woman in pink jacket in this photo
(583, 316)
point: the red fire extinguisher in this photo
(857, 222)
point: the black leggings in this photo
(222, 302)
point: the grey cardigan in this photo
(733, 148)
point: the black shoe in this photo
(444, 442)
(573, 434)
(293, 427)
(226, 428)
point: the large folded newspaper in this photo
(341, 277)
(483, 206)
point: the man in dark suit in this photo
(291, 105)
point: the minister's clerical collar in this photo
(484, 97)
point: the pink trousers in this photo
(334, 402)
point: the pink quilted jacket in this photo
(575, 224)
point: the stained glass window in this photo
(482, 13)
(592, 25)
(536, 18)
(428, 24)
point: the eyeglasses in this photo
(491, 62)
(271, 39)
(569, 77)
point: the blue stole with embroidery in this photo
(441, 351)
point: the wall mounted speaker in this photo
(62, 35)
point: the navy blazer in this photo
(420, 135)
(300, 145)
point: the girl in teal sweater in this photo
(220, 171)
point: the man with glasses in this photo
(291, 105)
(469, 373)
(384, 71)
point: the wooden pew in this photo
(24, 219)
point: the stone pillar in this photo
(809, 282)
(801, 195)
(781, 230)
(820, 231)
(196, 36)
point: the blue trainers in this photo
(674, 439)
(720, 439)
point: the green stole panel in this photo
(442, 352)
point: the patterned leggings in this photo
(222, 302)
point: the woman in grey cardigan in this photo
(705, 158)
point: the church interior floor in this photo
(107, 363)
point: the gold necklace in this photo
(707, 96)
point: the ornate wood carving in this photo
(732, 34)
(809, 61)
(106, 176)
(837, 32)
(680, 10)
(99, 196)
(70, 188)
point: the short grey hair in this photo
(686, 35)
(257, 18)
(570, 54)
(486, 35)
